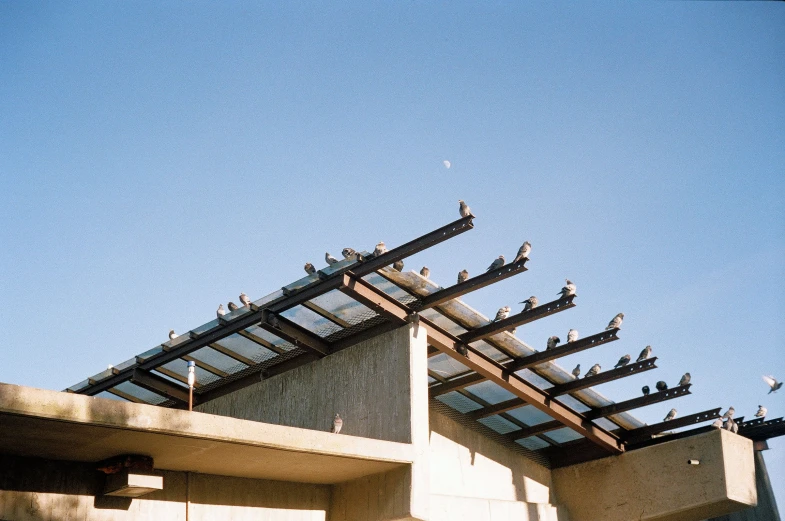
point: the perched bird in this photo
(348, 253)
(685, 379)
(595, 369)
(729, 413)
(337, 424)
(761, 412)
(502, 313)
(661, 386)
(731, 425)
(232, 306)
(577, 371)
(644, 354)
(615, 322)
(309, 268)
(567, 290)
(398, 265)
(380, 248)
(461, 349)
(773, 383)
(645, 390)
(464, 209)
(329, 258)
(523, 252)
(495, 265)
(462, 276)
(530, 302)
(425, 272)
(245, 300)
(512, 331)
(172, 334)
(553, 342)
(221, 311)
(717, 423)
(671, 415)
(572, 336)
(624, 360)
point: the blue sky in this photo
(157, 159)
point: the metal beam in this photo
(474, 283)
(521, 318)
(496, 373)
(207, 367)
(496, 408)
(176, 376)
(293, 333)
(261, 341)
(642, 433)
(374, 298)
(130, 397)
(326, 314)
(540, 428)
(607, 376)
(232, 354)
(455, 384)
(635, 403)
(159, 385)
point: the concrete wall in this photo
(766, 509)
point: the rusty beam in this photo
(567, 349)
(474, 283)
(374, 298)
(326, 314)
(607, 376)
(636, 435)
(521, 318)
(293, 333)
(159, 385)
(540, 428)
(635, 403)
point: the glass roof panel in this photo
(563, 435)
(445, 366)
(300, 284)
(206, 327)
(529, 415)
(247, 348)
(125, 365)
(606, 424)
(149, 353)
(218, 360)
(181, 367)
(269, 337)
(490, 392)
(343, 307)
(459, 402)
(311, 321)
(499, 424)
(534, 378)
(533, 443)
(388, 287)
(573, 403)
(275, 295)
(179, 339)
(140, 392)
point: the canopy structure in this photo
(477, 368)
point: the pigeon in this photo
(661, 386)
(348, 253)
(645, 390)
(495, 265)
(221, 311)
(330, 259)
(309, 268)
(761, 412)
(502, 313)
(729, 413)
(717, 423)
(232, 306)
(461, 349)
(773, 383)
(624, 360)
(337, 424)
(530, 302)
(553, 342)
(568, 290)
(615, 323)
(398, 265)
(644, 354)
(523, 252)
(671, 415)
(512, 331)
(425, 272)
(245, 300)
(172, 334)
(731, 425)
(380, 249)
(572, 336)
(685, 379)
(595, 369)
(464, 209)
(462, 276)
(577, 371)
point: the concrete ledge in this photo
(457, 508)
(63, 426)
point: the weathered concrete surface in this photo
(656, 483)
(766, 509)
(456, 508)
(62, 426)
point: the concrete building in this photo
(446, 416)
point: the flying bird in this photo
(577, 371)
(232, 306)
(172, 334)
(645, 390)
(495, 265)
(644, 354)
(624, 360)
(348, 253)
(553, 342)
(761, 412)
(502, 313)
(572, 336)
(380, 249)
(398, 265)
(530, 302)
(245, 300)
(330, 259)
(221, 311)
(773, 383)
(464, 209)
(309, 268)
(446, 164)
(685, 379)
(462, 276)
(671, 415)
(568, 290)
(425, 272)
(595, 369)
(661, 386)
(729, 413)
(337, 424)
(523, 252)
(717, 423)
(615, 322)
